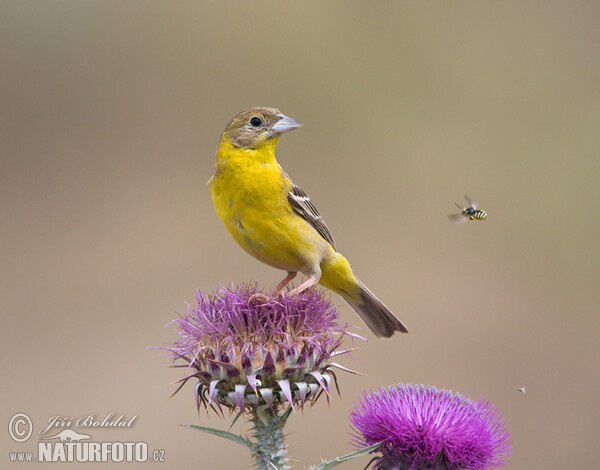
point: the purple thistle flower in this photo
(427, 428)
(247, 348)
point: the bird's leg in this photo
(290, 275)
(311, 281)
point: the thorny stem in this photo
(268, 438)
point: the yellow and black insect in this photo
(468, 213)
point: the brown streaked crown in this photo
(252, 126)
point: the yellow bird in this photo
(276, 222)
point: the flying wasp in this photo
(468, 213)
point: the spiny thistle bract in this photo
(427, 428)
(248, 349)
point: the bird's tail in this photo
(375, 314)
(337, 275)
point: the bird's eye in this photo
(255, 121)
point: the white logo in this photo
(20, 427)
(69, 449)
(69, 445)
(68, 435)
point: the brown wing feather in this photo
(304, 207)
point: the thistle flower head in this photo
(427, 428)
(247, 348)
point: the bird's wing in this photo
(301, 203)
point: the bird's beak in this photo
(285, 124)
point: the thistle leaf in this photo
(326, 464)
(224, 434)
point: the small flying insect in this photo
(467, 213)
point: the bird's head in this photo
(255, 126)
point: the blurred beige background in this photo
(110, 114)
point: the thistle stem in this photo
(268, 438)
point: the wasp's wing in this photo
(458, 218)
(301, 203)
(472, 203)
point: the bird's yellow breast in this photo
(249, 191)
